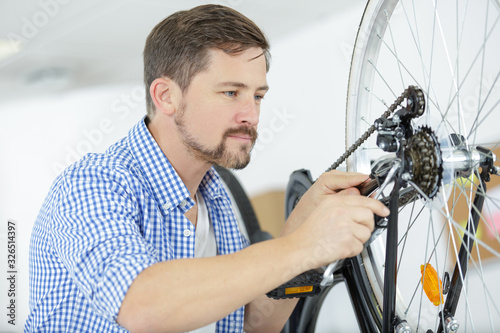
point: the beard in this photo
(219, 154)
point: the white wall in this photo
(38, 137)
(302, 126)
(308, 84)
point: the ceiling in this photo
(65, 44)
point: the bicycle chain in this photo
(373, 128)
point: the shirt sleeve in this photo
(97, 237)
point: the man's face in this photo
(217, 119)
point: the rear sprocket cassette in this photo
(425, 163)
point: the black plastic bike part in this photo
(389, 134)
(255, 233)
(393, 130)
(298, 184)
(305, 284)
(391, 256)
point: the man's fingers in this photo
(349, 191)
(362, 233)
(363, 216)
(337, 180)
(375, 206)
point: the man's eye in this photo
(230, 93)
(259, 98)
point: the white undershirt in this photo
(204, 244)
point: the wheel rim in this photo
(451, 55)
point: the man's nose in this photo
(249, 112)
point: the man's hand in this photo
(328, 184)
(332, 220)
(338, 228)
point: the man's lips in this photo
(242, 134)
(241, 137)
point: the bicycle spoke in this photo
(370, 61)
(408, 72)
(473, 62)
(395, 51)
(474, 126)
(482, 74)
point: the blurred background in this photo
(71, 83)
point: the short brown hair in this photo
(178, 46)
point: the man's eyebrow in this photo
(240, 85)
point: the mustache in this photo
(250, 131)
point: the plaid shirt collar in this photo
(167, 186)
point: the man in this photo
(143, 238)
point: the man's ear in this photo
(165, 94)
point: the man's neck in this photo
(189, 168)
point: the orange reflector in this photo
(432, 284)
(298, 290)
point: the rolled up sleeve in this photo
(96, 234)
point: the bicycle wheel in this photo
(450, 50)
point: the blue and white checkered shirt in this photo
(107, 218)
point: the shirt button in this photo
(187, 232)
(183, 203)
(167, 205)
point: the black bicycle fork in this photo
(446, 323)
(389, 319)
